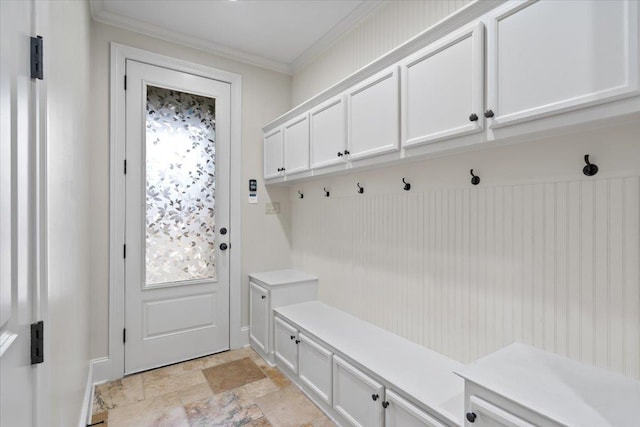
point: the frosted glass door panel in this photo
(180, 186)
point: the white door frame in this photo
(119, 55)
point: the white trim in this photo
(87, 401)
(114, 363)
(347, 24)
(6, 339)
(244, 336)
(101, 370)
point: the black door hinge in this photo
(125, 166)
(124, 335)
(124, 251)
(125, 82)
(37, 342)
(36, 58)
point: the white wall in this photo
(386, 28)
(536, 253)
(69, 214)
(265, 95)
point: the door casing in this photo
(112, 367)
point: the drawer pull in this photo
(293, 337)
(473, 117)
(374, 397)
(297, 341)
(263, 296)
(471, 417)
(385, 404)
(340, 154)
(488, 114)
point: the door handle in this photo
(223, 246)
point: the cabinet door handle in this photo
(471, 417)
(339, 154)
(347, 152)
(297, 341)
(488, 114)
(385, 404)
(293, 337)
(374, 397)
(263, 296)
(473, 117)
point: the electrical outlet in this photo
(272, 208)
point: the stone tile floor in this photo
(234, 388)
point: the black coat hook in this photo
(300, 195)
(360, 189)
(475, 180)
(407, 186)
(590, 169)
(326, 193)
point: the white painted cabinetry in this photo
(328, 133)
(356, 396)
(286, 345)
(373, 108)
(548, 57)
(269, 290)
(442, 88)
(296, 145)
(273, 159)
(315, 367)
(402, 413)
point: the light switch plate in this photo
(272, 208)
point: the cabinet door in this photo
(259, 317)
(286, 345)
(372, 121)
(488, 415)
(401, 413)
(328, 133)
(442, 88)
(314, 367)
(273, 154)
(296, 145)
(548, 57)
(356, 396)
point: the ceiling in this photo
(282, 35)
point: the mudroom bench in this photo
(362, 375)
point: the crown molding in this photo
(348, 23)
(99, 14)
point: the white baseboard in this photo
(244, 336)
(87, 402)
(101, 370)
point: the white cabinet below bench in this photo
(267, 291)
(357, 397)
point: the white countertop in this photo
(564, 390)
(281, 277)
(425, 375)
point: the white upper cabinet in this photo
(549, 57)
(273, 161)
(296, 145)
(373, 115)
(328, 133)
(442, 88)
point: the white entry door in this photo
(18, 126)
(177, 216)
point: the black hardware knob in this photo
(488, 114)
(293, 337)
(263, 296)
(340, 154)
(223, 231)
(347, 152)
(283, 169)
(223, 246)
(590, 169)
(471, 417)
(473, 117)
(475, 180)
(374, 397)
(385, 404)
(297, 341)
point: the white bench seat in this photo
(424, 375)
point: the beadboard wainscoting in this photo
(467, 270)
